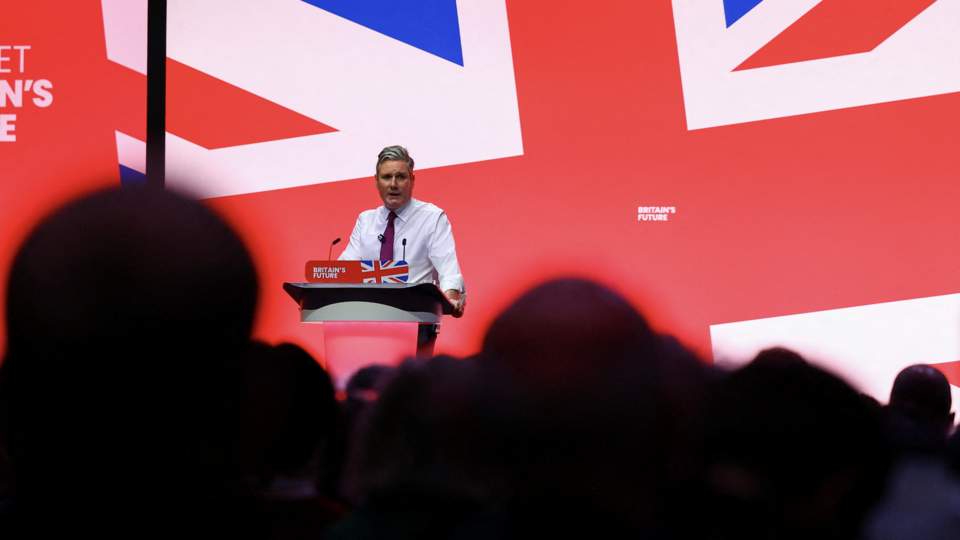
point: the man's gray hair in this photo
(394, 153)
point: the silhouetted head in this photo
(922, 393)
(779, 358)
(288, 411)
(125, 311)
(130, 271)
(597, 415)
(420, 438)
(564, 330)
(793, 451)
(365, 384)
(918, 417)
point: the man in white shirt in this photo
(408, 229)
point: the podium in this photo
(361, 321)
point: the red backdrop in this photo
(781, 216)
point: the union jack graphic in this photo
(749, 60)
(385, 271)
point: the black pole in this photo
(156, 91)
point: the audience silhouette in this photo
(284, 430)
(793, 452)
(919, 417)
(133, 402)
(126, 313)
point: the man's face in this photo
(395, 183)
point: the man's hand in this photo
(458, 300)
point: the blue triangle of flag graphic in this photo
(429, 25)
(734, 9)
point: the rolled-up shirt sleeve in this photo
(443, 255)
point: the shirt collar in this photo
(403, 212)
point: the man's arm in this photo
(443, 256)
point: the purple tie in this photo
(386, 248)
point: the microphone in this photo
(380, 238)
(330, 251)
(404, 249)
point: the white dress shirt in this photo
(431, 251)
